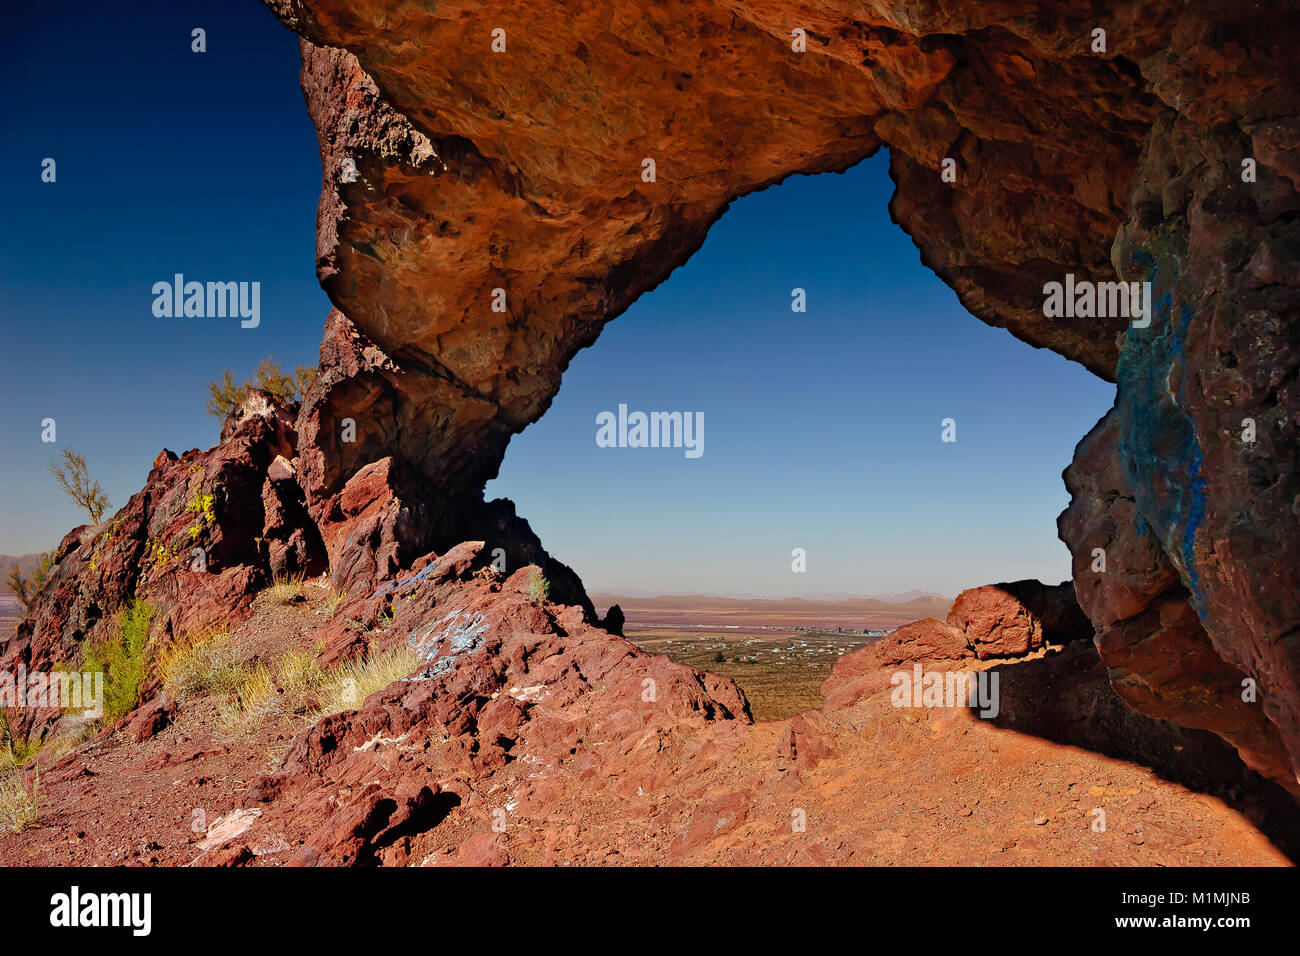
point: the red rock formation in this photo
(452, 171)
(1162, 660)
(211, 501)
(1011, 620)
(524, 735)
(992, 622)
(486, 171)
(502, 677)
(151, 718)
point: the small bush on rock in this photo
(14, 751)
(539, 589)
(124, 659)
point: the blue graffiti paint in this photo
(1159, 444)
(1196, 514)
(388, 586)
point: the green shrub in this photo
(14, 751)
(539, 589)
(124, 659)
(227, 392)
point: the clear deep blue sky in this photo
(822, 429)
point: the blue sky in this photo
(167, 161)
(822, 429)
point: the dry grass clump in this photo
(198, 663)
(290, 690)
(19, 800)
(348, 685)
(53, 752)
(255, 699)
(285, 588)
(332, 602)
(299, 688)
(299, 673)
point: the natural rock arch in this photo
(452, 170)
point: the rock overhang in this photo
(485, 211)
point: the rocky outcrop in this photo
(190, 542)
(519, 734)
(1206, 428)
(501, 676)
(204, 535)
(1011, 620)
(487, 209)
(1062, 687)
(484, 214)
(995, 622)
(151, 718)
(1160, 654)
(377, 512)
(521, 725)
(210, 530)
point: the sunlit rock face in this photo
(453, 169)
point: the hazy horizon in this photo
(891, 597)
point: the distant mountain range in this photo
(26, 563)
(714, 610)
(902, 597)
